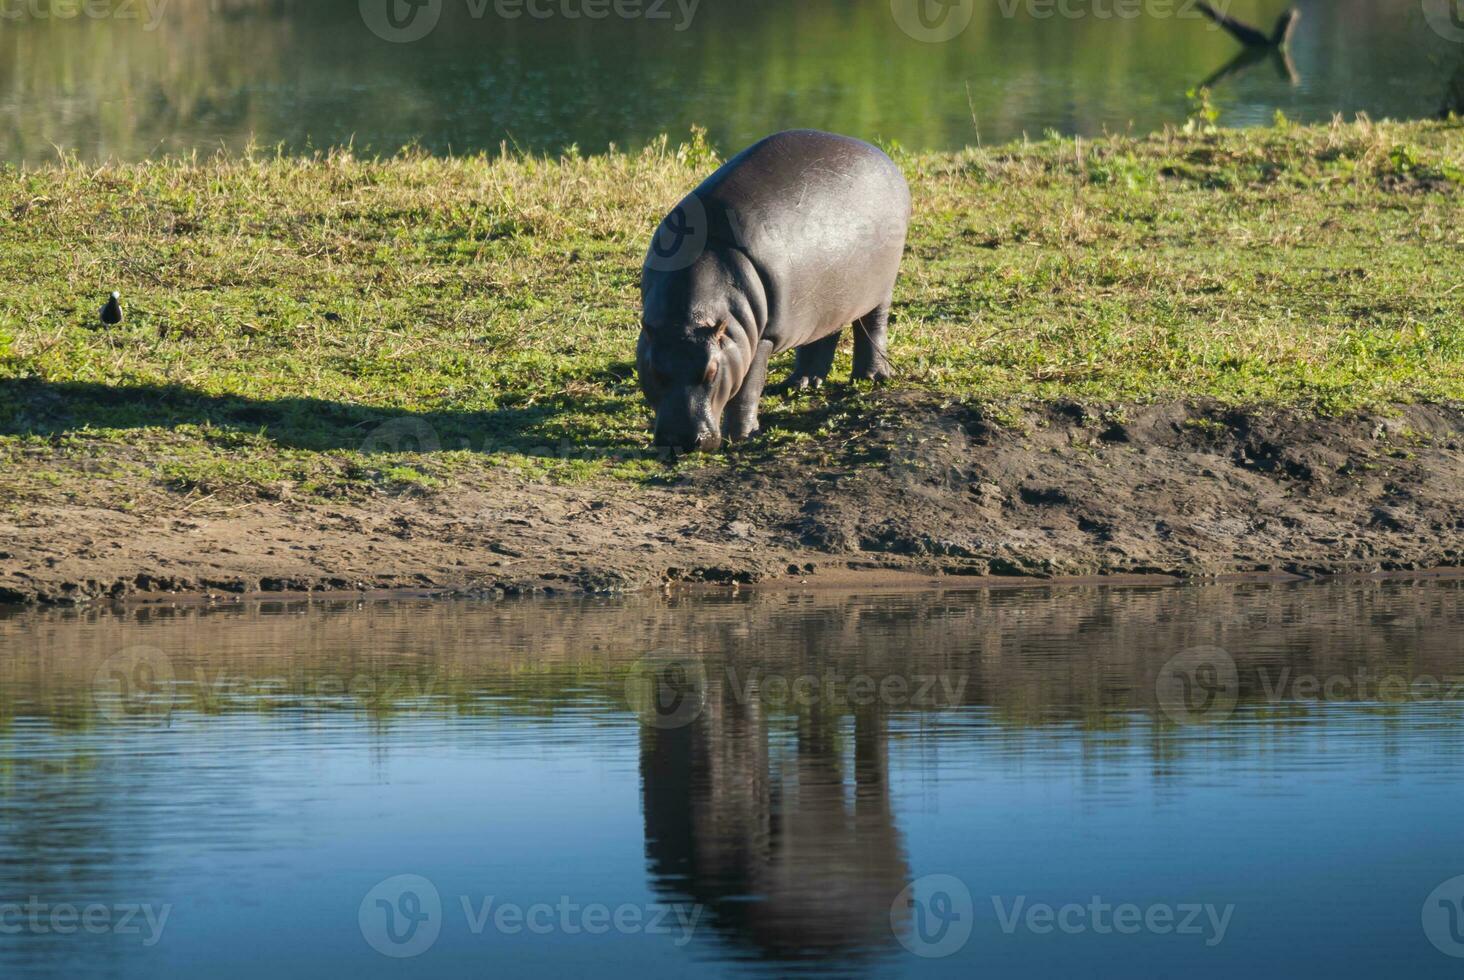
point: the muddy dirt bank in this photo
(1187, 490)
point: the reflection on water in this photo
(732, 813)
(180, 75)
(826, 783)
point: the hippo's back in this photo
(823, 217)
(781, 168)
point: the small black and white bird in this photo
(112, 312)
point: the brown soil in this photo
(1180, 489)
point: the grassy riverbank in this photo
(377, 334)
(281, 310)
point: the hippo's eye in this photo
(711, 372)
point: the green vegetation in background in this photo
(337, 325)
(310, 74)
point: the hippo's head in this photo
(688, 373)
(697, 333)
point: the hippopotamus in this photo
(788, 242)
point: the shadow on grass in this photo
(551, 428)
(562, 427)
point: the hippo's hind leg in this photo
(814, 363)
(871, 345)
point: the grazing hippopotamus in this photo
(790, 240)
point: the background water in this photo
(264, 769)
(172, 76)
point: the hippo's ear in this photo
(715, 334)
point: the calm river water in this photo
(140, 78)
(1208, 781)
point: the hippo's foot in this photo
(804, 382)
(740, 430)
(875, 368)
(813, 365)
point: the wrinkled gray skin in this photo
(791, 240)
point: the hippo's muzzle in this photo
(684, 424)
(703, 441)
(688, 440)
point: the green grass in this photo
(341, 326)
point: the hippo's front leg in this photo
(741, 420)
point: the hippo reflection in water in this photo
(790, 858)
